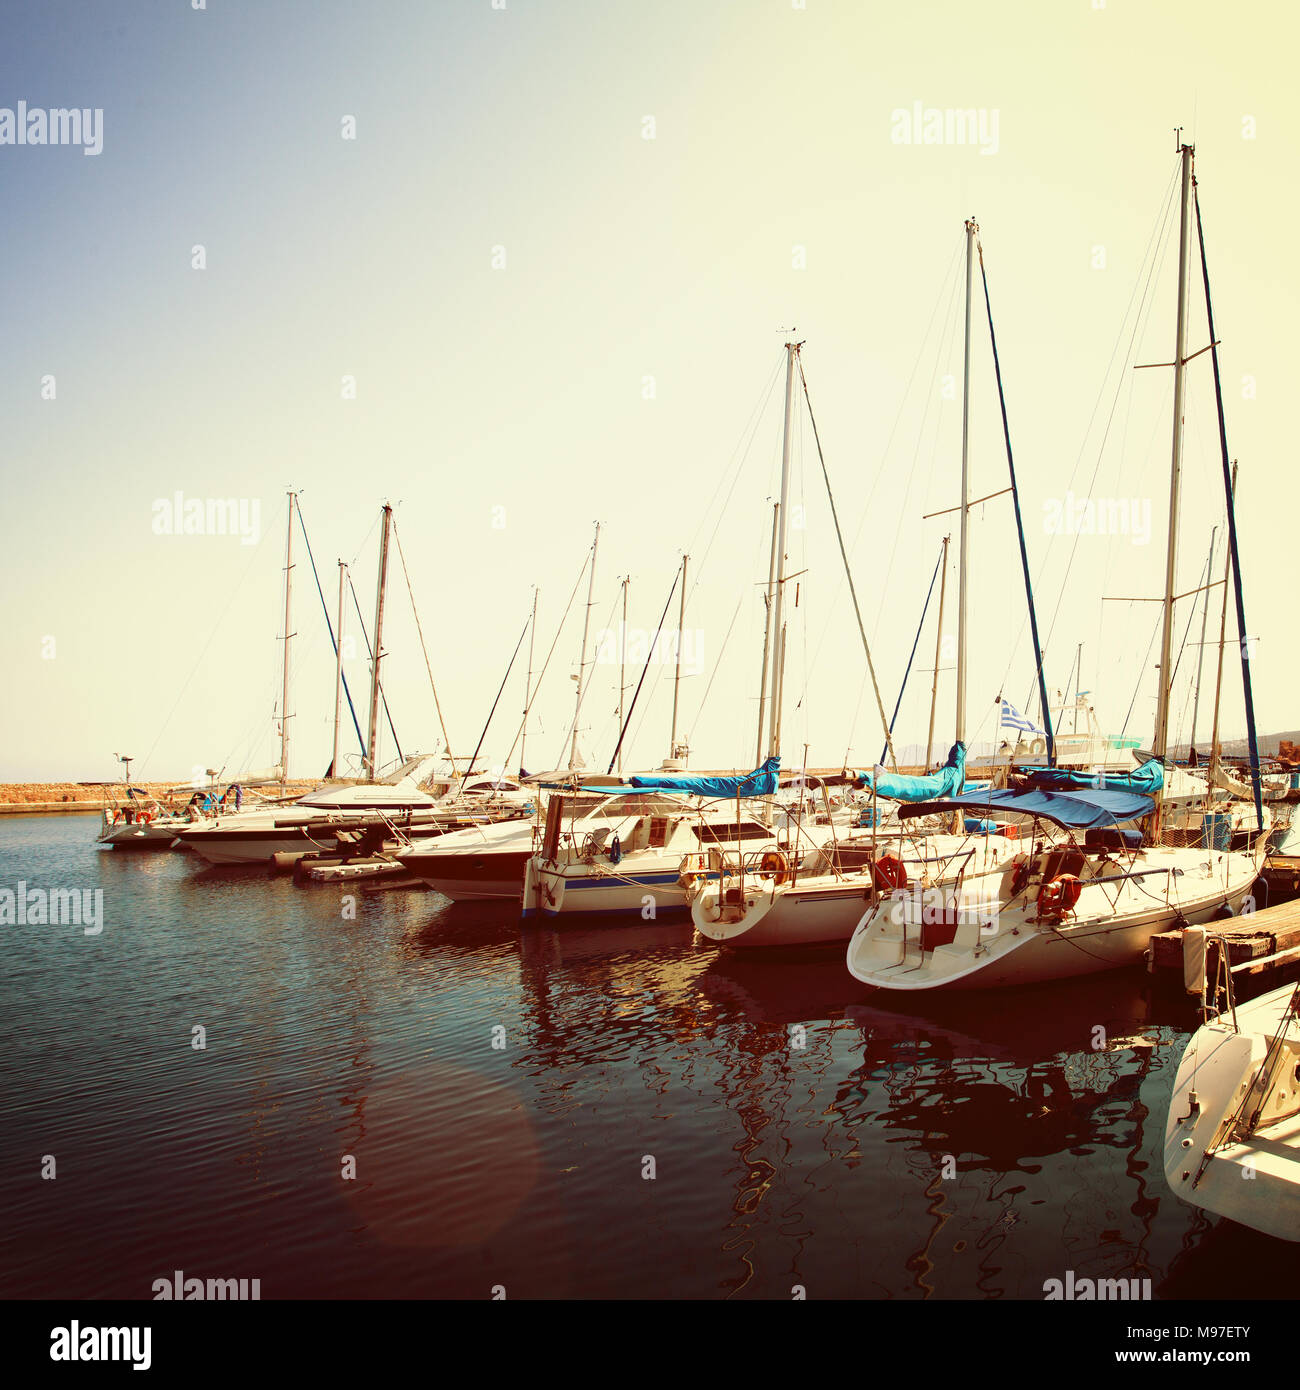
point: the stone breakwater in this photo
(72, 798)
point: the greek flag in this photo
(1012, 718)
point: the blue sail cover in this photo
(761, 782)
(1076, 809)
(948, 781)
(1145, 780)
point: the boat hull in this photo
(473, 876)
(1252, 1178)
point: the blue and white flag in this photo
(1012, 718)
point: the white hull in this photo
(999, 945)
(648, 890)
(1253, 1173)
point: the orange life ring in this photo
(888, 872)
(1059, 896)
(775, 863)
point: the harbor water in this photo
(342, 1093)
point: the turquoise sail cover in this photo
(948, 781)
(1145, 780)
(761, 782)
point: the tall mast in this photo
(963, 544)
(677, 678)
(1161, 743)
(778, 615)
(528, 683)
(1218, 680)
(372, 747)
(582, 665)
(767, 632)
(1200, 651)
(938, 647)
(288, 602)
(338, 670)
(622, 674)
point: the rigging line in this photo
(550, 653)
(752, 427)
(330, 627)
(857, 609)
(364, 539)
(1173, 675)
(943, 284)
(1242, 630)
(593, 663)
(925, 609)
(690, 735)
(1158, 254)
(1157, 260)
(1020, 529)
(942, 357)
(436, 704)
(479, 746)
(162, 728)
(622, 733)
(1142, 671)
(383, 695)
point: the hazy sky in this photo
(552, 319)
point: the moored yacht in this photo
(313, 823)
(1057, 909)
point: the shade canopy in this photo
(1072, 809)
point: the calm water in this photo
(776, 1164)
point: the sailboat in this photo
(1232, 1135)
(818, 896)
(1076, 907)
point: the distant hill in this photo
(1240, 747)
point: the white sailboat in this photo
(1232, 1135)
(1072, 908)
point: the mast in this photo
(1247, 689)
(528, 684)
(778, 616)
(1078, 681)
(338, 670)
(1161, 744)
(582, 665)
(938, 647)
(1200, 651)
(1218, 680)
(622, 673)
(372, 747)
(767, 633)
(963, 544)
(677, 678)
(288, 606)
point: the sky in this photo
(520, 268)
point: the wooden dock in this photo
(1254, 936)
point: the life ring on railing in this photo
(888, 872)
(1038, 746)
(1059, 896)
(775, 863)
